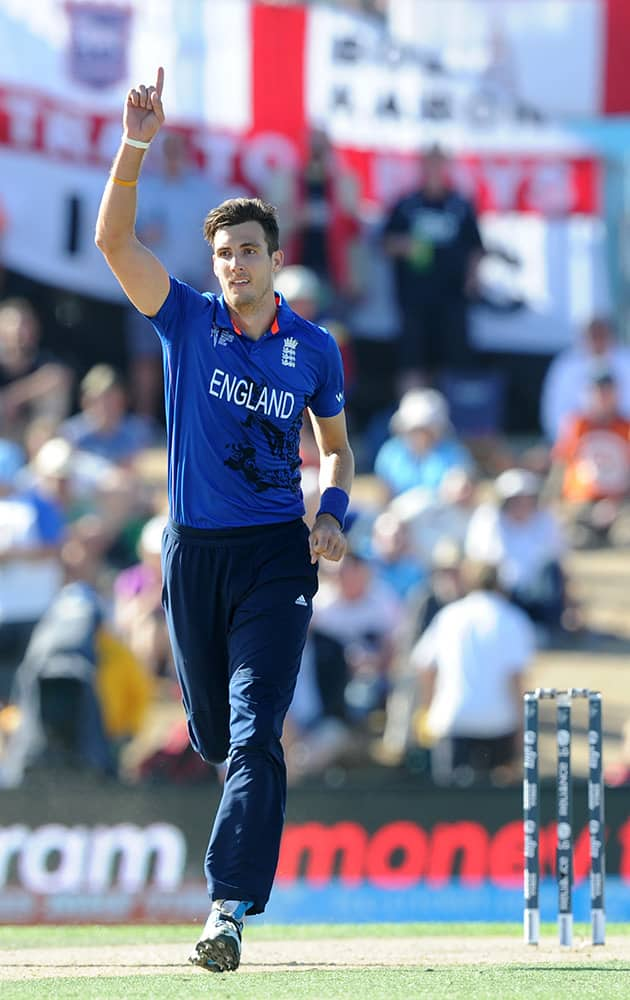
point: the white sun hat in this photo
(517, 483)
(420, 408)
(297, 282)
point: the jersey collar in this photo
(281, 307)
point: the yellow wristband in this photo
(122, 183)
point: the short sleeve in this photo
(329, 397)
(182, 305)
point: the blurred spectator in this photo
(422, 448)
(104, 426)
(31, 533)
(472, 659)
(433, 238)
(567, 384)
(124, 688)
(138, 613)
(443, 586)
(100, 502)
(60, 719)
(591, 467)
(526, 544)
(362, 612)
(325, 217)
(393, 554)
(174, 195)
(302, 290)
(32, 382)
(432, 516)
(374, 325)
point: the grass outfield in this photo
(314, 962)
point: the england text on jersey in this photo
(243, 392)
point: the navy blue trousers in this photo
(238, 603)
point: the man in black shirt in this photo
(433, 238)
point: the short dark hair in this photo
(236, 210)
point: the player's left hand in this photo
(327, 539)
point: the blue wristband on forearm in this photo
(335, 502)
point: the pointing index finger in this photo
(159, 83)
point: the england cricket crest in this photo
(99, 43)
(288, 352)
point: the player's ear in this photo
(277, 260)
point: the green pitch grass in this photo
(583, 976)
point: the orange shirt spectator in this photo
(594, 448)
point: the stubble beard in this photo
(247, 301)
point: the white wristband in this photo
(136, 143)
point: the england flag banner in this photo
(496, 84)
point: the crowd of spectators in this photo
(456, 570)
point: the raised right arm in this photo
(142, 277)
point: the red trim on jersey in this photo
(275, 326)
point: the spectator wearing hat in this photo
(422, 447)
(525, 542)
(104, 426)
(566, 387)
(472, 660)
(590, 468)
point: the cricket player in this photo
(239, 563)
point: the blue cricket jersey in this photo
(234, 409)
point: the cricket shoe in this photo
(219, 947)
